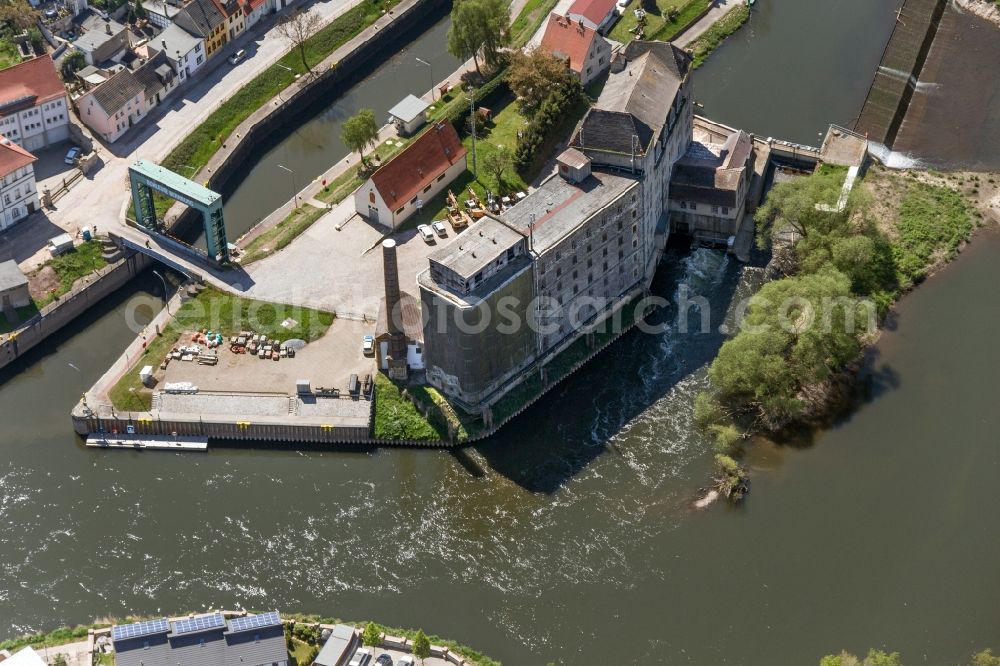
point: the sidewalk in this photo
(702, 25)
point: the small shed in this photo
(408, 115)
(13, 286)
(60, 244)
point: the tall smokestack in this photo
(393, 308)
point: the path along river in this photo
(579, 544)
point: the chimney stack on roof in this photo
(393, 307)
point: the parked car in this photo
(368, 345)
(71, 155)
(236, 57)
(384, 660)
(405, 660)
(361, 658)
(439, 228)
(426, 233)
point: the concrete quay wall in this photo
(55, 315)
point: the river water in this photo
(579, 543)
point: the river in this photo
(579, 544)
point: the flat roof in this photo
(558, 206)
(476, 248)
(175, 182)
(408, 109)
(335, 649)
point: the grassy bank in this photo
(69, 267)
(60, 636)
(529, 21)
(199, 146)
(664, 22)
(702, 47)
(279, 236)
(396, 417)
(222, 312)
(791, 361)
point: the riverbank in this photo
(987, 9)
(791, 368)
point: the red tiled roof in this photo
(568, 39)
(254, 4)
(13, 156)
(430, 155)
(29, 83)
(595, 10)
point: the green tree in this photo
(372, 635)
(296, 29)
(421, 646)
(359, 132)
(18, 15)
(874, 658)
(534, 75)
(792, 206)
(985, 658)
(138, 11)
(496, 162)
(479, 28)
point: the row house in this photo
(18, 191)
(34, 106)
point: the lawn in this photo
(659, 24)
(199, 146)
(529, 20)
(227, 314)
(279, 236)
(71, 266)
(397, 418)
(9, 55)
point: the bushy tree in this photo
(874, 658)
(421, 646)
(985, 658)
(372, 635)
(359, 132)
(479, 28)
(496, 163)
(532, 76)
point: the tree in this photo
(496, 162)
(72, 62)
(297, 28)
(359, 132)
(792, 205)
(985, 658)
(372, 635)
(874, 658)
(479, 27)
(18, 15)
(534, 75)
(421, 646)
(138, 11)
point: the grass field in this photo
(529, 20)
(397, 418)
(227, 314)
(282, 234)
(71, 266)
(702, 47)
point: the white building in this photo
(412, 178)
(185, 51)
(34, 106)
(18, 191)
(586, 53)
(255, 10)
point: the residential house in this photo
(709, 185)
(34, 106)
(14, 294)
(255, 10)
(204, 19)
(104, 44)
(586, 53)
(254, 640)
(127, 96)
(18, 191)
(597, 15)
(399, 187)
(160, 12)
(185, 51)
(235, 19)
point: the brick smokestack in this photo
(393, 308)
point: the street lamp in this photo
(472, 122)
(295, 192)
(166, 300)
(431, 68)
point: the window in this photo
(683, 205)
(725, 210)
(441, 177)
(635, 243)
(715, 209)
(427, 189)
(400, 210)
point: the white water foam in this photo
(893, 159)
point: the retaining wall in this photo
(70, 306)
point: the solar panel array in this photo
(200, 623)
(137, 629)
(255, 621)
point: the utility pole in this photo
(472, 121)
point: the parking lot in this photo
(397, 657)
(328, 362)
(340, 271)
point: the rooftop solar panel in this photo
(200, 623)
(255, 621)
(137, 629)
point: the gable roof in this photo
(200, 17)
(116, 92)
(430, 154)
(13, 156)
(154, 74)
(647, 85)
(174, 38)
(711, 173)
(613, 131)
(567, 39)
(29, 83)
(409, 108)
(593, 10)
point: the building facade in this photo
(205, 20)
(597, 15)
(34, 106)
(399, 188)
(185, 51)
(18, 190)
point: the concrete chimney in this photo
(393, 310)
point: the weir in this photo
(896, 78)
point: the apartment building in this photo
(34, 106)
(18, 191)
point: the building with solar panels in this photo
(202, 640)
